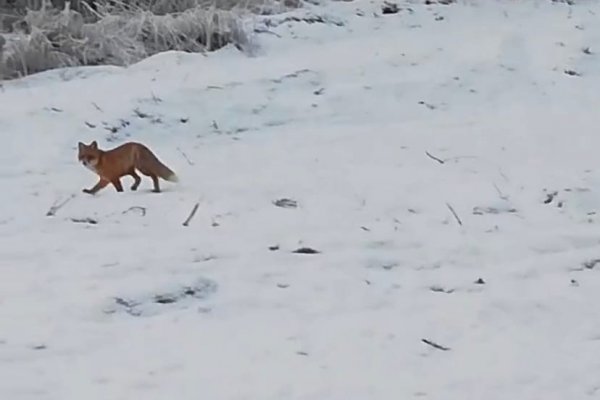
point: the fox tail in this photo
(159, 168)
(166, 173)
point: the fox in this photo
(111, 165)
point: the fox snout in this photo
(89, 162)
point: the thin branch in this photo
(264, 30)
(155, 98)
(192, 213)
(454, 213)
(140, 208)
(502, 195)
(97, 107)
(139, 113)
(502, 174)
(435, 345)
(86, 220)
(434, 158)
(57, 206)
(190, 162)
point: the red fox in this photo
(123, 160)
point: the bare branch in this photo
(434, 157)
(97, 107)
(190, 162)
(192, 213)
(502, 195)
(435, 345)
(86, 220)
(454, 213)
(141, 209)
(57, 206)
(155, 98)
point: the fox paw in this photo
(88, 191)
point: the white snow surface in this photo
(337, 117)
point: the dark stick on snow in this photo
(435, 345)
(57, 206)
(155, 98)
(190, 162)
(454, 213)
(189, 218)
(502, 195)
(87, 220)
(503, 175)
(434, 158)
(262, 30)
(140, 208)
(97, 107)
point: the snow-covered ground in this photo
(112, 298)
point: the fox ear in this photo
(80, 145)
(94, 145)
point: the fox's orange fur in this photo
(112, 165)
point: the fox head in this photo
(89, 155)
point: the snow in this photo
(339, 119)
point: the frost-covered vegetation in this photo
(37, 36)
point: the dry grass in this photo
(123, 32)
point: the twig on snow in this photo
(264, 30)
(434, 157)
(192, 213)
(454, 213)
(57, 206)
(97, 107)
(435, 345)
(502, 195)
(139, 113)
(140, 208)
(190, 162)
(155, 98)
(86, 220)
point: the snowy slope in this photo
(338, 117)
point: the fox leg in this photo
(148, 172)
(101, 183)
(137, 180)
(117, 184)
(155, 182)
